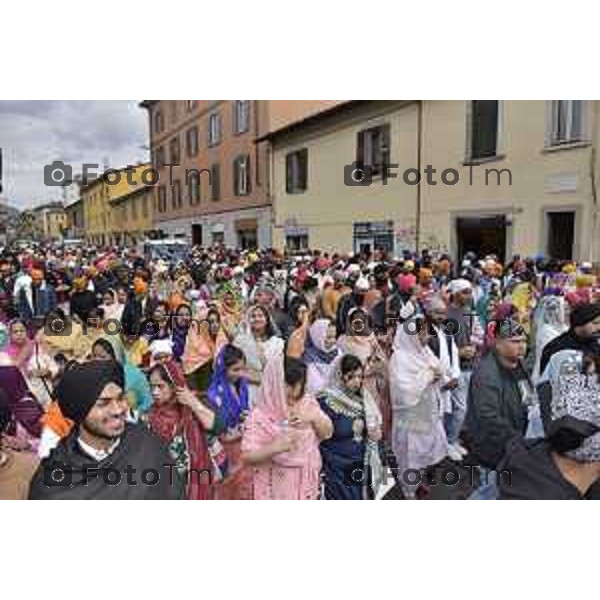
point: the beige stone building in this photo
(50, 221)
(495, 176)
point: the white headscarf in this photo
(459, 285)
(411, 367)
(549, 323)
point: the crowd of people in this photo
(242, 374)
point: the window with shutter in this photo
(192, 141)
(215, 182)
(175, 151)
(158, 121)
(296, 171)
(194, 189)
(241, 175)
(248, 177)
(214, 129)
(241, 116)
(160, 157)
(373, 147)
(567, 122)
(162, 199)
(484, 128)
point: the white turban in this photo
(362, 284)
(158, 347)
(459, 285)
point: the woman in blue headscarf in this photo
(227, 395)
(228, 390)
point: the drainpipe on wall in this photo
(592, 248)
(418, 215)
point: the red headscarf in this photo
(171, 419)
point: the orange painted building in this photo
(213, 176)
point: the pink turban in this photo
(406, 282)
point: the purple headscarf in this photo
(23, 404)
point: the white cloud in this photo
(35, 133)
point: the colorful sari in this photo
(231, 313)
(201, 348)
(19, 354)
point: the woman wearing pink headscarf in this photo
(282, 435)
(416, 377)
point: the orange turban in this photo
(425, 275)
(139, 285)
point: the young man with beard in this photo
(35, 298)
(499, 392)
(104, 456)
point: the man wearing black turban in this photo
(104, 457)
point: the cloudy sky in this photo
(35, 133)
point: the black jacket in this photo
(135, 462)
(134, 316)
(495, 410)
(531, 474)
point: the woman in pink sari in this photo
(282, 435)
(20, 347)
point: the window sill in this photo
(566, 146)
(468, 162)
(295, 192)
